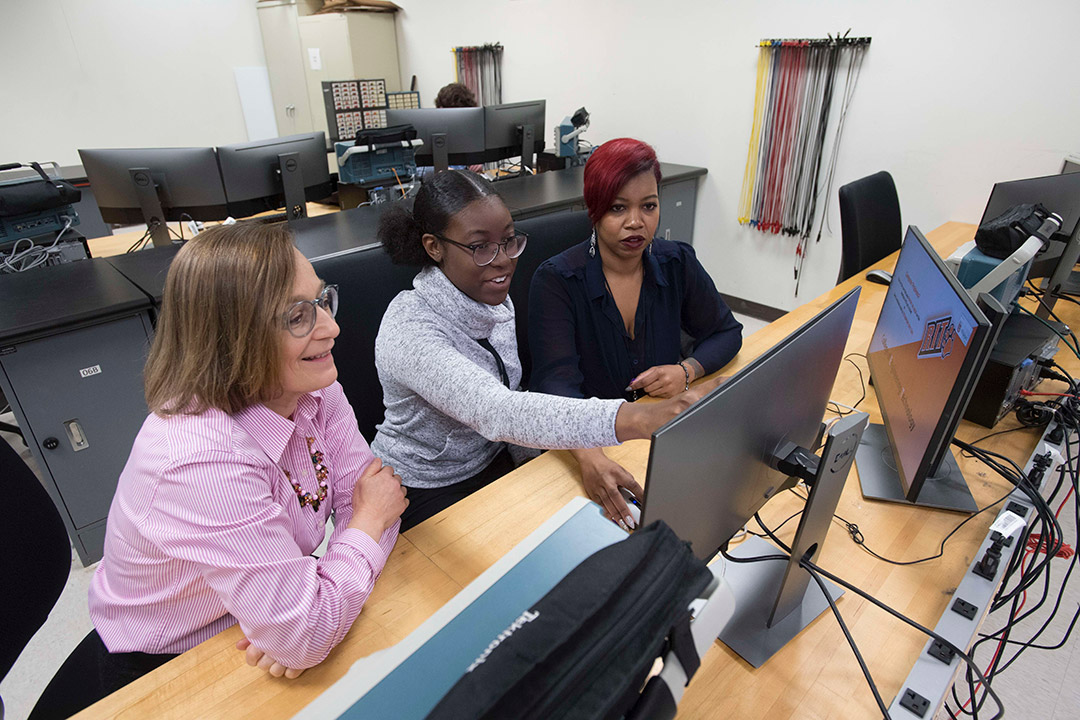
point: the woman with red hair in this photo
(607, 317)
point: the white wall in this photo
(953, 97)
(121, 73)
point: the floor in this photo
(1043, 685)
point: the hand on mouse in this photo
(602, 477)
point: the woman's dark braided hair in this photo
(441, 197)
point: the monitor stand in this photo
(945, 490)
(292, 180)
(153, 215)
(1061, 280)
(440, 157)
(762, 625)
(528, 148)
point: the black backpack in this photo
(585, 649)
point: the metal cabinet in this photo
(71, 365)
(303, 49)
(677, 202)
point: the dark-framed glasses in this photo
(484, 253)
(300, 317)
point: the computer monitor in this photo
(452, 136)
(1059, 193)
(155, 186)
(514, 129)
(927, 352)
(270, 174)
(715, 465)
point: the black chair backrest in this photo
(869, 222)
(369, 281)
(36, 558)
(549, 235)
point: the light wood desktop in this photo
(815, 676)
(119, 243)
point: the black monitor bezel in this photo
(501, 148)
(263, 154)
(158, 161)
(964, 384)
(1022, 191)
(423, 155)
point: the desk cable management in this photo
(17, 260)
(1043, 536)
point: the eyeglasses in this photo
(484, 253)
(301, 316)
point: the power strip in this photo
(934, 672)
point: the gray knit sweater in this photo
(447, 410)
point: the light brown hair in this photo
(218, 338)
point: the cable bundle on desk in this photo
(1041, 542)
(33, 256)
(793, 99)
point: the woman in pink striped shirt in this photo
(249, 448)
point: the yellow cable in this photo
(750, 172)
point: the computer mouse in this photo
(880, 277)
(633, 505)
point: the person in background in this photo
(455, 95)
(446, 353)
(250, 447)
(608, 317)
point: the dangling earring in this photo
(650, 247)
(592, 244)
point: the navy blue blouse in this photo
(577, 339)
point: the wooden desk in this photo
(816, 676)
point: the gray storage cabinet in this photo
(73, 342)
(677, 205)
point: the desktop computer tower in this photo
(1013, 366)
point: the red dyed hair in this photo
(610, 167)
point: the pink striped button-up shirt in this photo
(206, 530)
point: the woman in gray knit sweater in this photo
(447, 357)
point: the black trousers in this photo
(90, 673)
(425, 502)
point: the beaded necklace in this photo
(321, 473)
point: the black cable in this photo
(839, 619)
(811, 567)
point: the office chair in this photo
(369, 281)
(869, 222)
(549, 235)
(36, 559)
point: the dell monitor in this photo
(715, 465)
(270, 174)
(1059, 194)
(450, 135)
(155, 185)
(514, 129)
(927, 352)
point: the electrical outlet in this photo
(1017, 508)
(915, 702)
(963, 607)
(941, 651)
